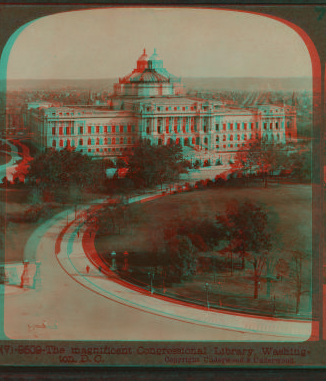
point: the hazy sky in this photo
(104, 43)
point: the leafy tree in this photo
(299, 163)
(282, 268)
(182, 256)
(298, 257)
(149, 165)
(64, 168)
(250, 234)
(262, 157)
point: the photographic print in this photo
(157, 189)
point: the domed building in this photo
(150, 103)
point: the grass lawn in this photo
(4, 158)
(290, 205)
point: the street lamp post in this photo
(219, 293)
(126, 265)
(151, 275)
(113, 263)
(207, 288)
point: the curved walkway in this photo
(8, 169)
(75, 302)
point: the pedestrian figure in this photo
(24, 277)
(87, 269)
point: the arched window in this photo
(238, 137)
(224, 138)
(197, 140)
(105, 140)
(193, 141)
(159, 142)
(72, 143)
(113, 140)
(205, 140)
(61, 143)
(54, 143)
(109, 141)
(121, 140)
(186, 141)
(93, 142)
(129, 140)
(177, 141)
(231, 138)
(101, 141)
(97, 141)
(217, 138)
(245, 137)
(81, 142)
(89, 141)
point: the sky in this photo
(106, 43)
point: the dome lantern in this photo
(142, 62)
(155, 61)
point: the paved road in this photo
(7, 170)
(80, 306)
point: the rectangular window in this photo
(113, 129)
(97, 129)
(231, 126)
(80, 130)
(271, 126)
(60, 130)
(276, 125)
(245, 126)
(121, 140)
(129, 128)
(133, 128)
(238, 126)
(224, 127)
(121, 129)
(265, 126)
(53, 130)
(105, 128)
(125, 128)
(72, 130)
(89, 129)
(257, 125)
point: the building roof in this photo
(149, 75)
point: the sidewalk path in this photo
(93, 306)
(7, 170)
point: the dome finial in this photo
(154, 50)
(144, 51)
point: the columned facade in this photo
(150, 104)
